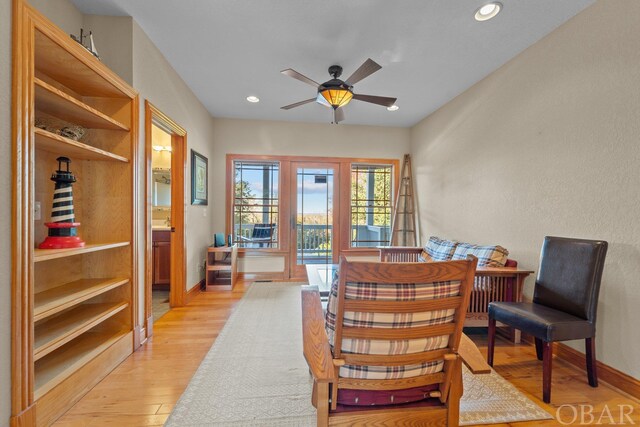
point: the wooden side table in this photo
(222, 268)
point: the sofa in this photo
(497, 277)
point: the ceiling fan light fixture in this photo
(488, 11)
(394, 107)
(253, 99)
(337, 97)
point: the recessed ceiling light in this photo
(253, 99)
(488, 11)
(393, 108)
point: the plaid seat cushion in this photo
(439, 249)
(391, 292)
(488, 256)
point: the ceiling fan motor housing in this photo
(335, 71)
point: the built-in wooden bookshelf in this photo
(74, 310)
(62, 146)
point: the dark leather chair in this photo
(262, 235)
(565, 302)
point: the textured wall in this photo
(113, 36)
(549, 145)
(296, 139)
(63, 13)
(158, 82)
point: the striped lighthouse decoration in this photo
(63, 231)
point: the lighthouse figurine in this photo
(63, 231)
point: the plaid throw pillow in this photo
(440, 250)
(391, 292)
(488, 256)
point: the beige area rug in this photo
(255, 373)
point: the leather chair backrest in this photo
(570, 274)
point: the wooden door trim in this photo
(177, 293)
(344, 175)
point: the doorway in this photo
(314, 205)
(160, 220)
(165, 260)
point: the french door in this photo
(314, 215)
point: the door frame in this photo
(299, 272)
(177, 291)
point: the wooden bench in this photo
(491, 284)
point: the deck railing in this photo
(314, 240)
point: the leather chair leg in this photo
(491, 334)
(538, 342)
(592, 369)
(547, 357)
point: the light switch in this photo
(37, 211)
(204, 212)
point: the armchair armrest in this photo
(315, 342)
(472, 357)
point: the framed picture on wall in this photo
(199, 179)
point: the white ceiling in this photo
(430, 50)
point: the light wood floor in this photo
(144, 388)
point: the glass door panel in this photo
(314, 216)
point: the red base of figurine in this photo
(61, 242)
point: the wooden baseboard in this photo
(26, 418)
(149, 326)
(606, 373)
(191, 294)
(137, 337)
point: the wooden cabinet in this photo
(74, 310)
(222, 267)
(161, 257)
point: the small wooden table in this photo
(222, 268)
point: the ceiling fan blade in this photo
(297, 104)
(366, 69)
(380, 100)
(296, 75)
(338, 115)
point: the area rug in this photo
(255, 373)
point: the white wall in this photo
(549, 145)
(158, 82)
(236, 136)
(113, 37)
(5, 212)
(63, 13)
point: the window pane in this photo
(371, 197)
(255, 204)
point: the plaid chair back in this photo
(395, 326)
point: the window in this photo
(370, 205)
(255, 204)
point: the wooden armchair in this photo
(424, 294)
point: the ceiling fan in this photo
(336, 93)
